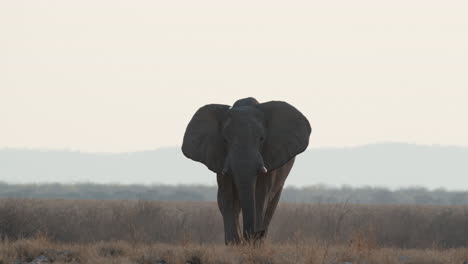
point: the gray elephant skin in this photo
(251, 147)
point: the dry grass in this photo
(69, 221)
(144, 232)
(30, 250)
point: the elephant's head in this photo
(246, 140)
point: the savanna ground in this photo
(87, 231)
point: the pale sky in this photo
(116, 76)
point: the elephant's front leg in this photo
(228, 203)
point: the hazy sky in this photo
(102, 75)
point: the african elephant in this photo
(251, 147)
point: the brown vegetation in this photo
(41, 250)
(84, 221)
(142, 231)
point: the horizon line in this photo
(177, 146)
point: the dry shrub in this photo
(90, 221)
(360, 228)
(24, 251)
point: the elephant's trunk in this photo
(247, 202)
(245, 166)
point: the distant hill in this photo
(389, 165)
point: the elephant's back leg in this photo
(278, 179)
(271, 210)
(229, 206)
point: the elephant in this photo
(251, 147)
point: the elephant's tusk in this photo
(264, 170)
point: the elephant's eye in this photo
(262, 139)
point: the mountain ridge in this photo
(388, 164)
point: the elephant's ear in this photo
(203, 140)
(288, 132)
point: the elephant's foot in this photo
(257, 239)
(231, 232)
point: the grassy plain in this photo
(143, 232)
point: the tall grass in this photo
(88, 221)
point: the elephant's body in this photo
(251, 147)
